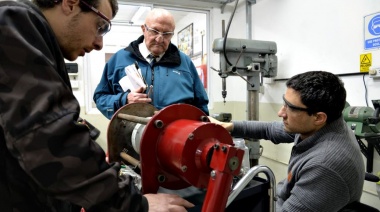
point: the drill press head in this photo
(250, 58)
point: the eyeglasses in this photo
(104, 28)
(153, 32)
(288, 105)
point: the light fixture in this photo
(136, 19)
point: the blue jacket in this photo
(175, 80)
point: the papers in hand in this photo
(133, 79)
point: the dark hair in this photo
(45, 4)
(320, 91)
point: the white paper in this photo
(125, 83)
(133, 79)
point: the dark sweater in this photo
(326, 170)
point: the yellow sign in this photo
(365, 62)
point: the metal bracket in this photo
(373, 144)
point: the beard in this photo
(70, 39)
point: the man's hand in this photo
(167, 203)
(229, 126)
(138, 96)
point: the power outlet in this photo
(74, 84)
(374, 72)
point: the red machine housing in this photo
(180, 147)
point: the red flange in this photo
(180, 147)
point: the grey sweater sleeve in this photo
(317, 188)
(273, 131)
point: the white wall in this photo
(319, 35)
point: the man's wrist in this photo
(229, 126)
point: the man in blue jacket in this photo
(169, 75)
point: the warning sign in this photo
(365, 62)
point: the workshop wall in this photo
(310, 35)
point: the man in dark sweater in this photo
(48, 161)
(326, 168)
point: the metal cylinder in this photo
(252, 114)
(136, 119)
(357, 114)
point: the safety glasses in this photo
(103, 28)
(153, 32)
(288, 105)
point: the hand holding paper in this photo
(133, 79)
(138, 96)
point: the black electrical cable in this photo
(225, 36)
(366, 91)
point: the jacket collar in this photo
(170, 58)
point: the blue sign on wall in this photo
(372, 31)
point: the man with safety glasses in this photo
(48, 160)
(167, 75)
(326, 168)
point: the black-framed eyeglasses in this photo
(293, 107)
(104, 28)
(153, 32)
